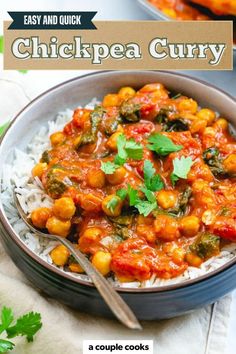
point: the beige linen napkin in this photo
(204, 331)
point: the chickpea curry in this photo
(190, 10)
(143, 184)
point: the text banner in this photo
(145, 45)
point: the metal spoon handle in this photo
(116, 304)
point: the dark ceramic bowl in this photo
(149, 303)
(159, 15)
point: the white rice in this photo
(32, 196)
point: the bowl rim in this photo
(158, 14)
(51, 268)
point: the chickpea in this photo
(89, 239)
(144, 220)
(200, 170)
(112, 99)
(39, 169)
(64, 208)
(152, 87)
(146, 232)
(117, 177)
(76, 268)
(198, 125)
(126, 92)
(91, 203)
(40, 216)
(60, 255)
(96, 178)
(112, 205)
(178, 255)
(102, 261)
(58, 227)
(57, 138)
(210, 131)
(189, 225)
(230, 164)
(112, 141)
(167, 199)
(221, 124)
(169, 12)
(188, 104)
(207, 114)
(208, 217)
(166, 227)
(209, 136)
(193, 260)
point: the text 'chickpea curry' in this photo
(144, 184)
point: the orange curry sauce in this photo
(179, 10)
(144, 184)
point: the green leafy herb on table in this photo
(3, 128)
(182, 167)
(162, 145)
(26, 325)
(1, 44)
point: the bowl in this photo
(149, 303)
(159, 15)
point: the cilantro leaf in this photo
(5, 345)
(3, 128)
(6, 318)
(152, 181)
(127, 149)
(121, 141)
(134, 150)
(182, 167)
(121, 193)
(119, 161)
(149, 195)
(26, 325)
(133, 195)
(1, 44)
(145, 207)
(113, 202)
(108, 167)
(162, 145)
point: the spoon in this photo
(114, 301)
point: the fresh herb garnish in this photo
(152, 181)
(182, 167)
(162, 145)
(27, 325)
(145, 207)
(121, 193)
(133, 196)
(108, 167)
(128, 148)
